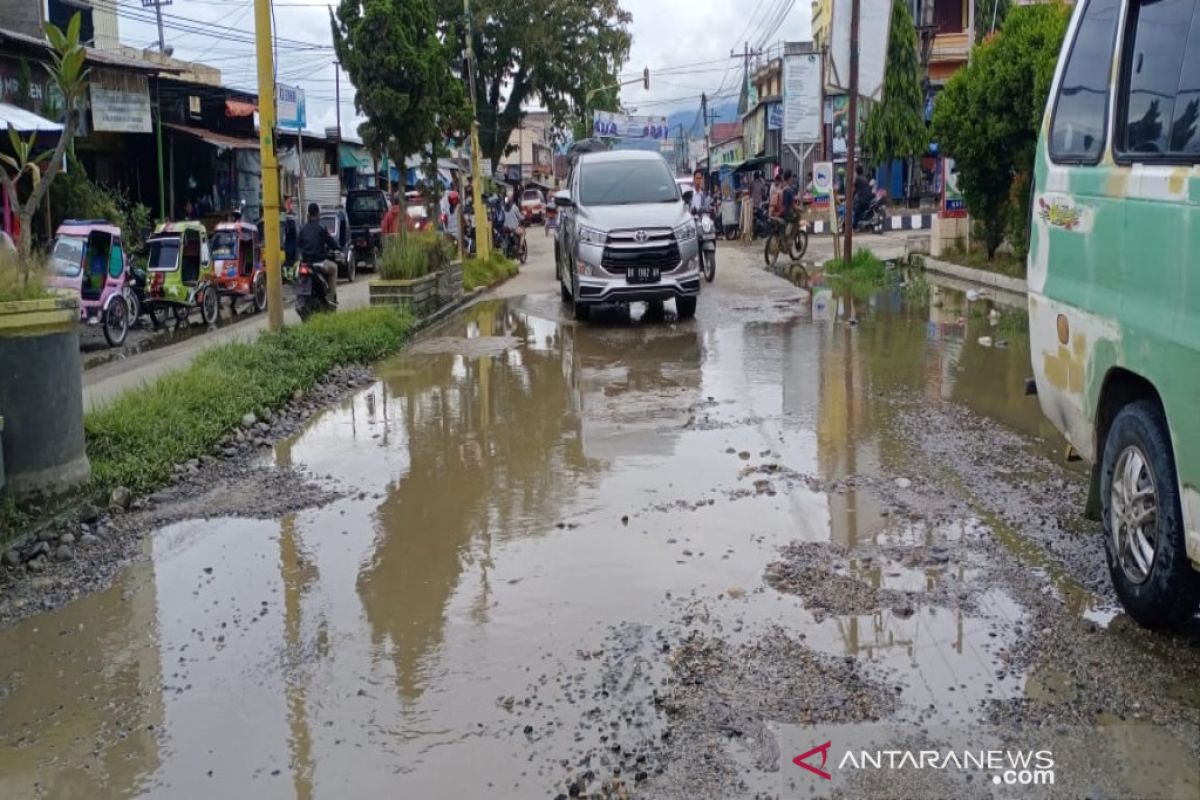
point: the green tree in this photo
(987, 118)
(69, 75)
(895, 128)
(400, 68)
(989, 16)
(549, 51)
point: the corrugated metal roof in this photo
(25, 121)
(215, 139)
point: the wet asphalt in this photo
(634, 557)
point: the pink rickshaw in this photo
(88, 259)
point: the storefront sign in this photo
(606, 124)
(801, 99)
(120, 102)
(289, 107)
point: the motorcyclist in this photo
(862, 193)
(315, 244)
(512, 220)
(699, 198)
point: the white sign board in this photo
(874, 20)
(823, 177)
(801, 99)
(120, 102)
(289, 107)
(606, 124)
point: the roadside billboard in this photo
(874, 21)
(801, 99)
(120, 102)
(610, 125)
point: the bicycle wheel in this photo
(772, 248)
(799, 243)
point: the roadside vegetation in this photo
(863, 274)
(137, 440)
(487, 272)
(413, 255)
(22, 277)
(1001, 262)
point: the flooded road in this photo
(627, 559)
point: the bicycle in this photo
(792, 234)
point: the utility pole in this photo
(483, 227)
(337, 105)
(158, 4)
(851, 143)
(270, 166)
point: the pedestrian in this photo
(390, 224)
(452, 217)
(758, 189)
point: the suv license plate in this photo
(642, 275)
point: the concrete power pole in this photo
(851, 140)
(269, 164)
(483, 227)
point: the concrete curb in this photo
(983, 277)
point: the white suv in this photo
(625, 234)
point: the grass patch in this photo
(1001, 264)
(487, 272)
(22, 277)
(413, 255)
(862, 275)
(137, 440)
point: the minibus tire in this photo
(1169, 594)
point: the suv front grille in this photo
(623, 251)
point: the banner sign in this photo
(953, 204)
(120, 102)
(610, 125)
(822, 183)
(801, 99)
(289, 107)
(775, 117)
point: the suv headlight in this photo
(591, 235)
(685, 231)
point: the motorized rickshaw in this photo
(88, 260)
(237, 264)
(181, 275)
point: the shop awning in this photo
(355, 158)
(754, 163)
(219, 140)
(238, 108)
(25, 121)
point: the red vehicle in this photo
(237, 264)
(533, 206)
(416, 212)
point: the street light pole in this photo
(270, 166)
(851, 143)
(337, 103)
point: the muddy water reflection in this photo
(515, 487)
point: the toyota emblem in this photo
(641, 236)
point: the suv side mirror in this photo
(687, 196)
(563, 200)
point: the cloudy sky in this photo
(685, 43)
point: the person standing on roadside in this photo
(391, 218)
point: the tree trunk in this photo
(25, 240)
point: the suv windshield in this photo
(616, 183)
(372, 202)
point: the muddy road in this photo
(631, 558)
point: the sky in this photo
(685, 43)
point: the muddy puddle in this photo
(536, 517)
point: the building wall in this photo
(534, 127)
(22, 16)
(107, 30)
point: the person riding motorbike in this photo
(315, 244)
(862, 194)
(512, 224)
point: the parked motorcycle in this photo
(873, 218)
(313, 293)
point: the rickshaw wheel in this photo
(116, 322)
(210, 306)
(181, 314)
(135, 307)
(260, 293)
(157, 316)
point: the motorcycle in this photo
(514, 245)
(762, 222)
(313, 293)
(707, 231)
(873, 217)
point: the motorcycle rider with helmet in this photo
(315, 244)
